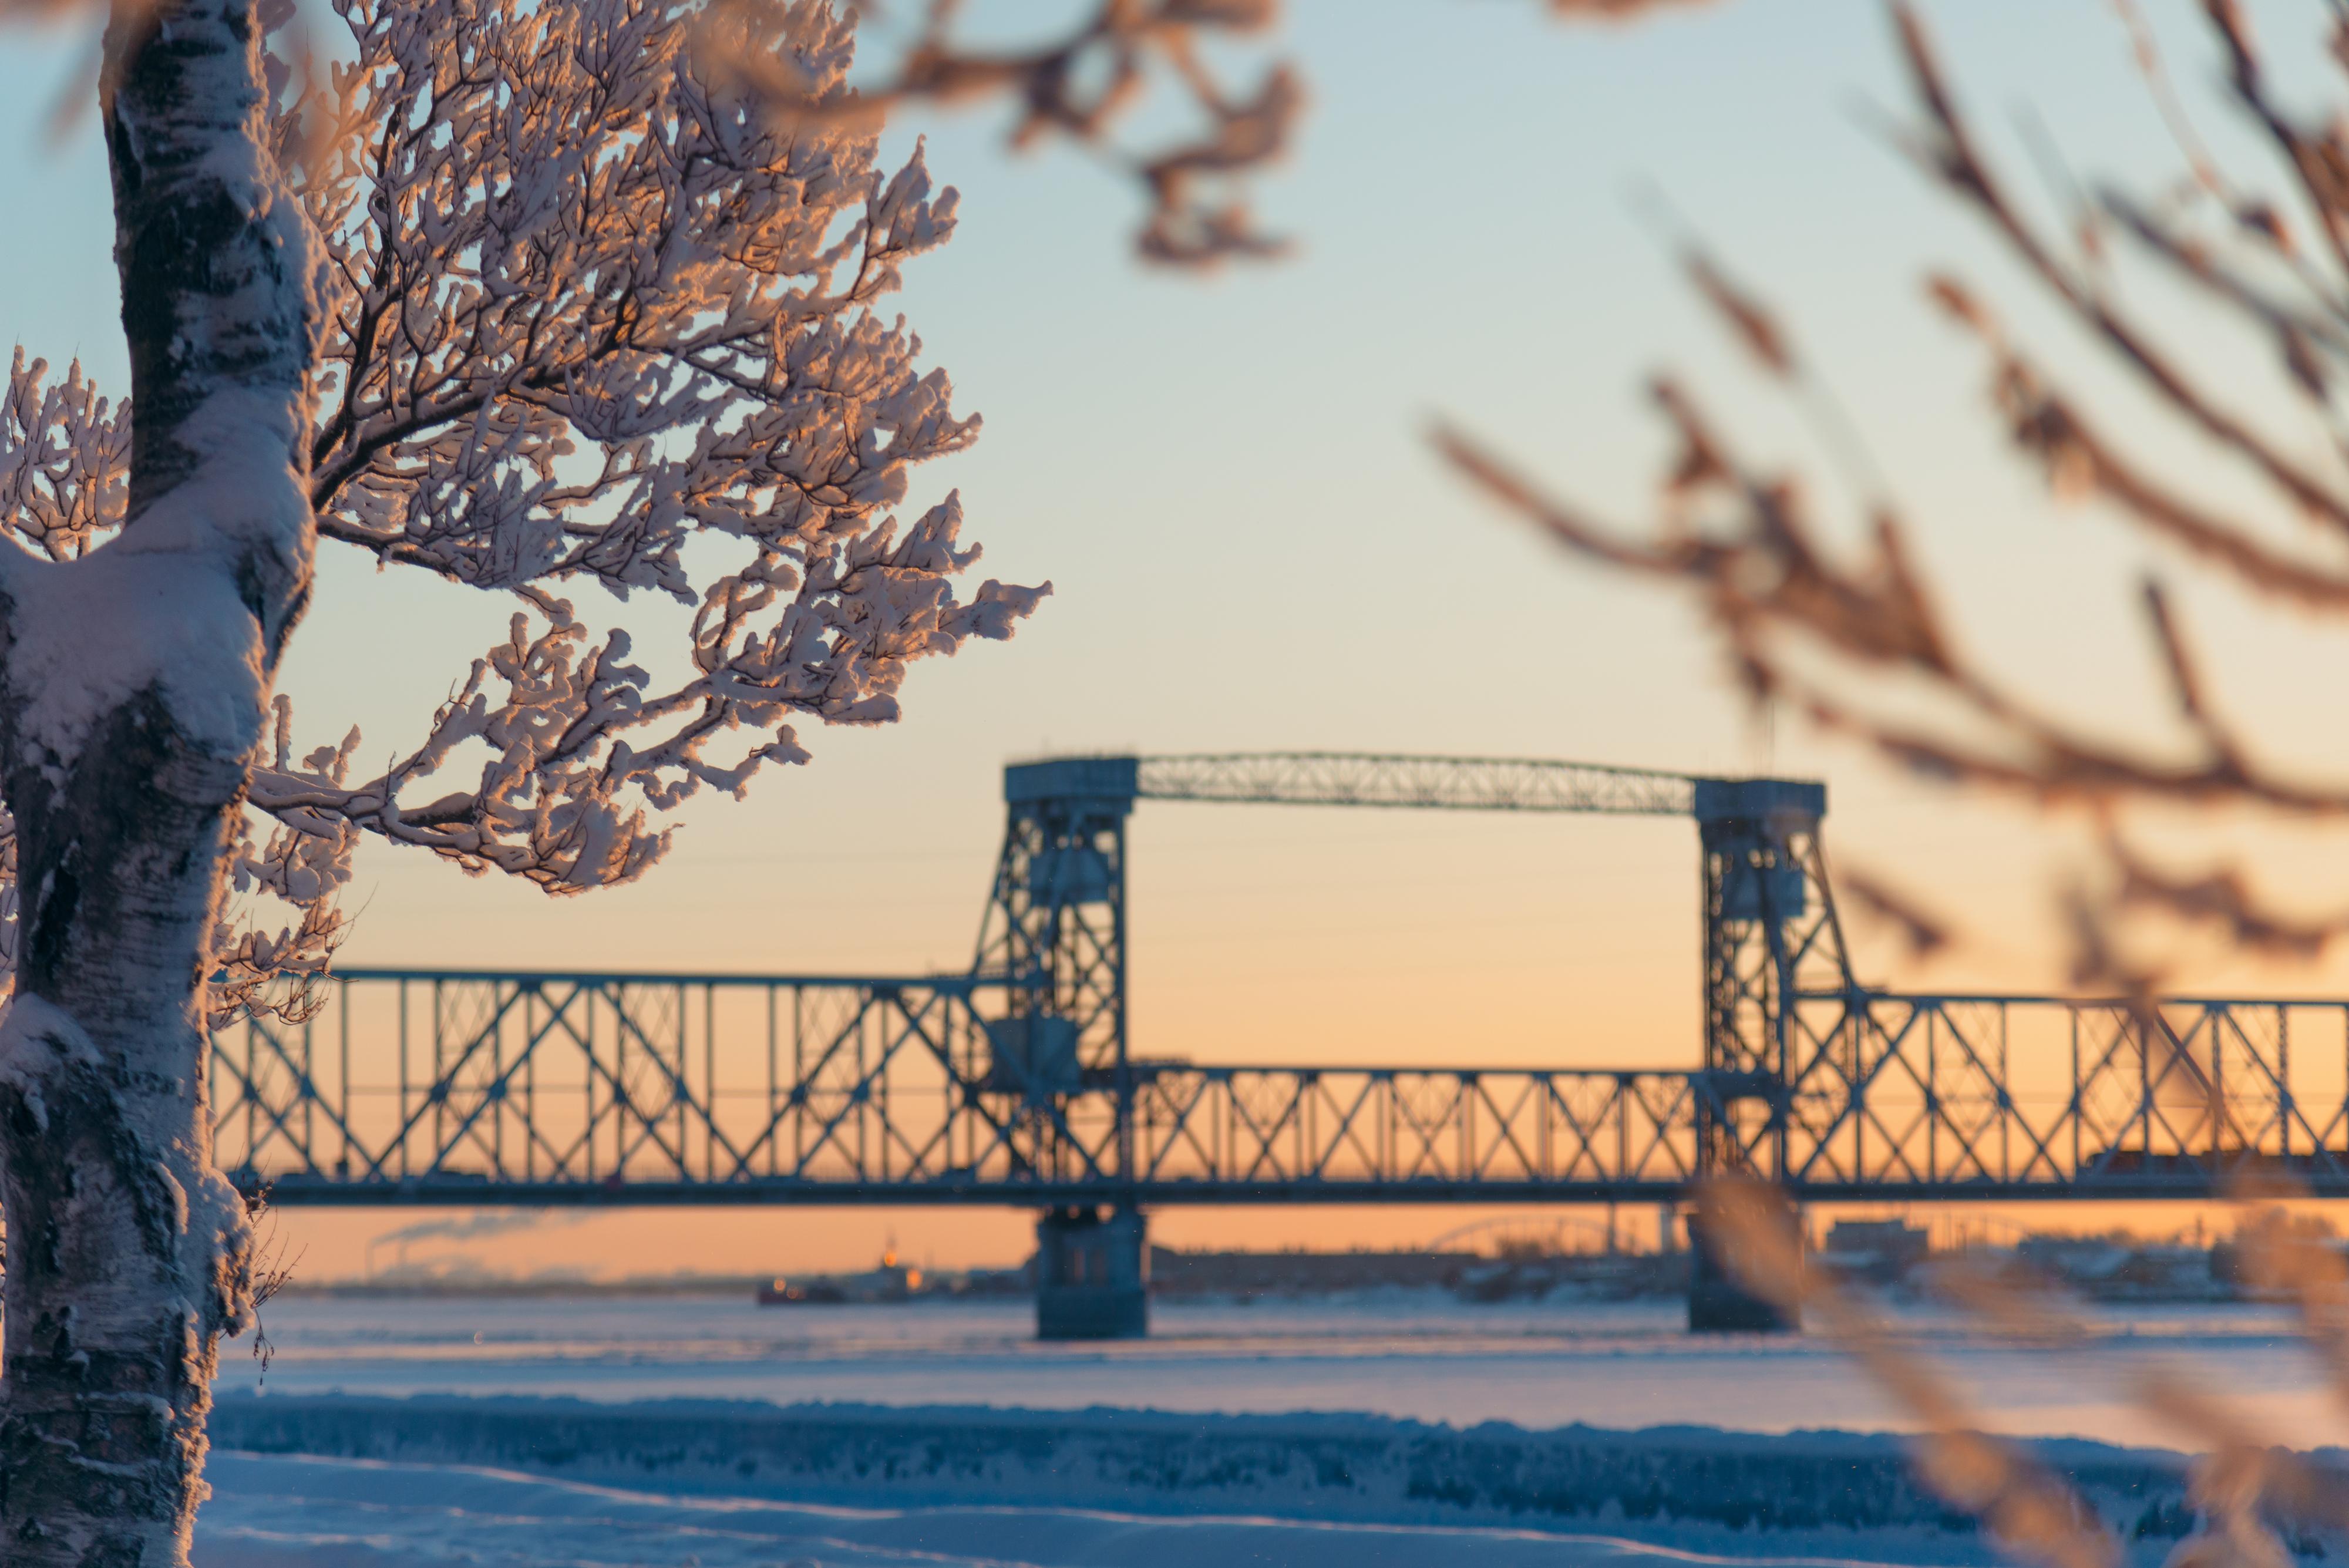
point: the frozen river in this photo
(292, 1512)
(1422, 1357)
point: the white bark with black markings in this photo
(134, 683)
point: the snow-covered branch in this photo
(65, 460)
(599, 321)
(585, 751)
(592, 320)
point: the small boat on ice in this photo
(892, 1281)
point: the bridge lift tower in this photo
(1054, 940)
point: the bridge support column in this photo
(1718, 1302)
(1093, 1274)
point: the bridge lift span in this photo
(1013, 1084)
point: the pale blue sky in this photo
(1253, 548)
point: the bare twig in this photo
(1080, 87)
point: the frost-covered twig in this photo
(65, 460)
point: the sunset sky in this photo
(1226, 480)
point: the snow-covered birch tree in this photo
(520, 294)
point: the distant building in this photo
(2072, 1260)
(1175, 1272)
(1880, 1250)
(1591, 1276)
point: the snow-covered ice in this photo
(1425, 1357)
(294, 1512)
(546, 1433)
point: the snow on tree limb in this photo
(591, 318)
(568, 797)
(65, 460)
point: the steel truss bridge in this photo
(1012, 1083)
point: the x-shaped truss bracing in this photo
(416, 1087)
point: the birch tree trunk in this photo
(133, 685)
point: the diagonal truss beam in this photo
(669, 1088)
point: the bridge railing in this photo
(2040, 1095)
(455, 1087)
(619, 1085)
(1385, 1132)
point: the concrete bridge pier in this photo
(1093, 1274)
(1718, 1301)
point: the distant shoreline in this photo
(677, 1285)
(2095, 1268)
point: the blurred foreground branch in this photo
(2244, 1490)
(1082, 86)
(1857, 641)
